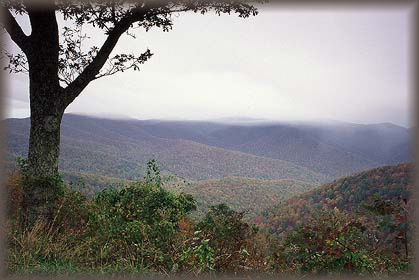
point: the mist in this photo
(285, 64)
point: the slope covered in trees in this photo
(332, 148)
(351, 194)
(248, 195)
(121, 148)
(315, 153)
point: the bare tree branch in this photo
(14, 30)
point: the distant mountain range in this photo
(309, 152)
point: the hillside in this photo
(250, 195)
(119, 148)
(348, 193)
(331, 148)
(198, 150)
(241, 194)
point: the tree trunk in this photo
(45, 94)
(44, 143)
(47, 109)
(42, 186)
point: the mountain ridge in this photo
(209, 150)
(125, 145)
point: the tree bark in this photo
(42, 185)
(46, 94)
(47, 109)
(44, 144)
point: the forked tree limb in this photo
(14, 30)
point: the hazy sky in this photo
(344, 64)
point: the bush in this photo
(229, 235)
(330, 242)
(335, 242)
(137, 225)
(135, 228)
(197, 257)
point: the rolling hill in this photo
(334, 148)
(348, 193)
(120, 149)
(198, 150)
(241, 194)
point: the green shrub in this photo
(137, 223)
(229, 235)
(333, 241)
(198, 256)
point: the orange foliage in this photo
(184, 224)
(15, 192)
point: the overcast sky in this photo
(284, 64)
